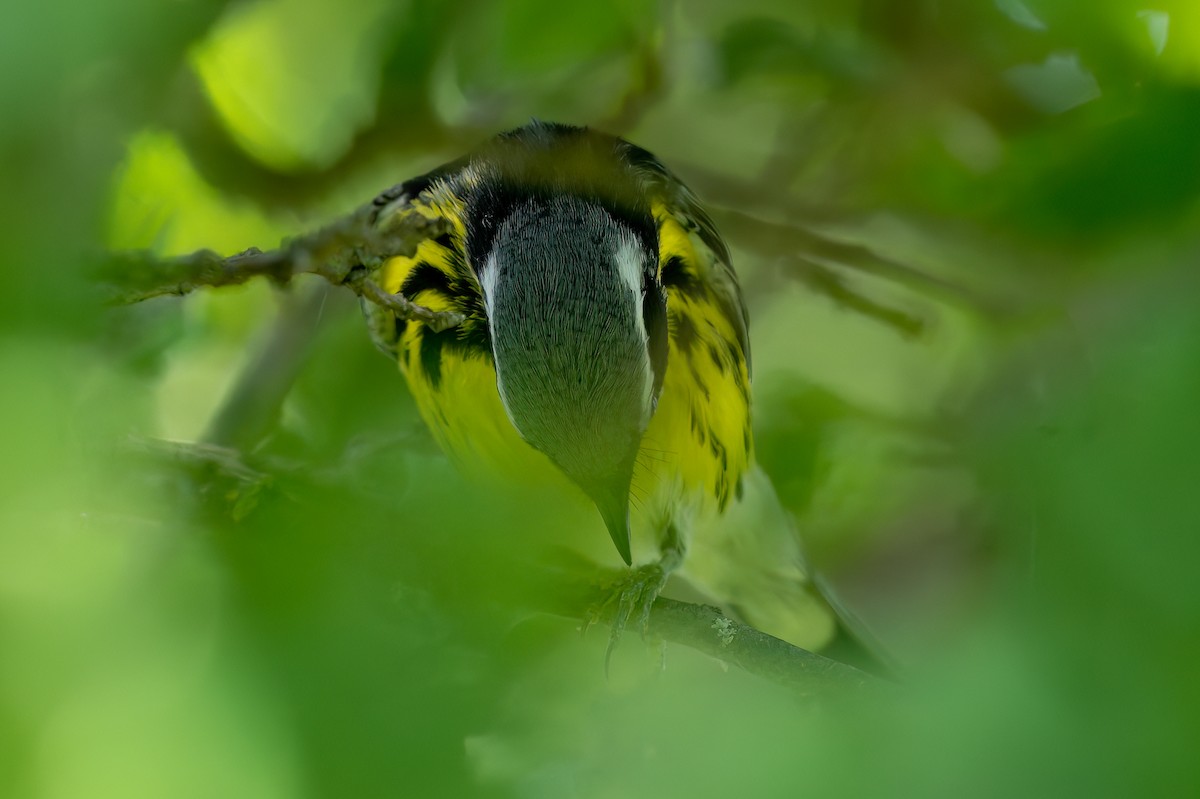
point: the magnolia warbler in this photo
(604, 337)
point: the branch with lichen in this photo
(708, 630)
(565, 591)
(577, 590)
(346, 253)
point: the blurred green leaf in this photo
(294, 96)
(1004, 491)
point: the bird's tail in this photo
(750, 560)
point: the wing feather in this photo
(704, 410)
(671, 197)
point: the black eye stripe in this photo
(675, 274)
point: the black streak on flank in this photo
(675, 275)
(742, 388)
(431, 355)
(433, 345)
(734, 350)
(426, 277)
(714, 355)
(684, 332)
(697, 422)
(718, 451)
(700, 384)
(722, 486)
(461, 292)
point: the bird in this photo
(604, 339)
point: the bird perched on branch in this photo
(603, 338)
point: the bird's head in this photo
(577, 319)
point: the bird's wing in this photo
(703, 418)
(705, 256)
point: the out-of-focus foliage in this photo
(988, 433)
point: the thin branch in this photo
(215, 474)
(252, 405)
(224, 461)
(708, 630)
(346, 253)
(571, 590)
(826, 281)
(774, 239)
(406, 309)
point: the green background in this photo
(968, 234)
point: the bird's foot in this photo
(631, 597)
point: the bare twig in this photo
(774, 239)
(215, 474)
(573, 591)
(191, 454)
(251, 407)
(707, 629)
(566, 589)
(345, 253)
(826, 281)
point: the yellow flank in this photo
(467, 418)
(700, 434)
(463, 409)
